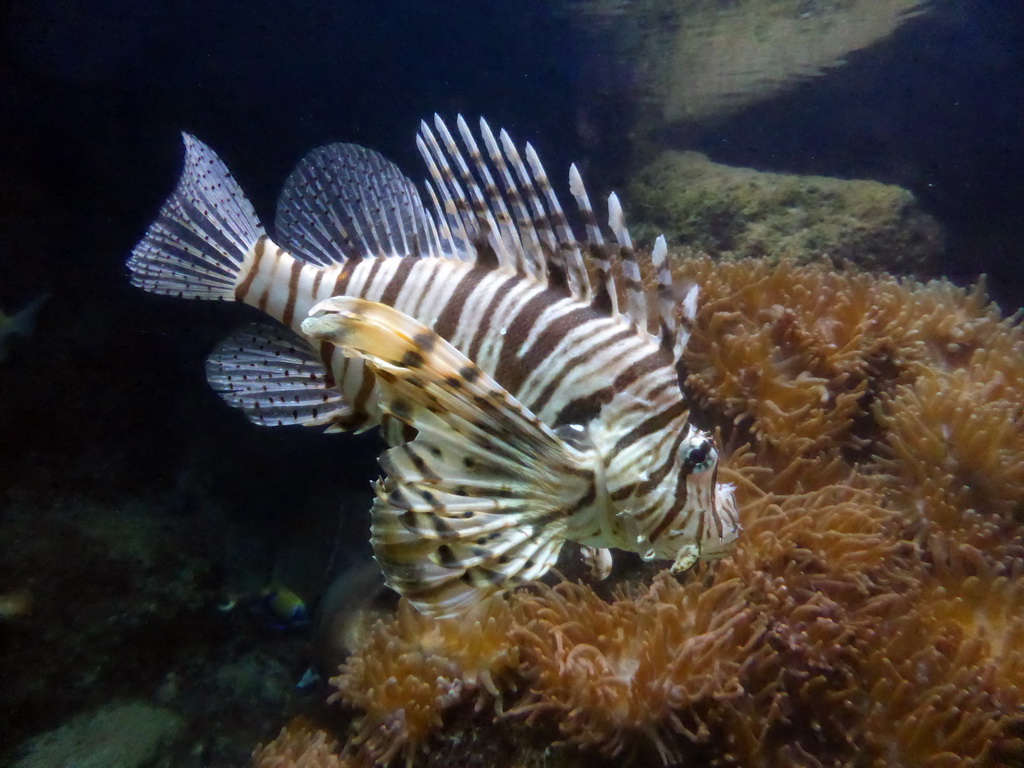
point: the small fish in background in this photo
(284, 609)
(275, 605)
(525, 403)
(22, 323)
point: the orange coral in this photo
(782, 350)
(963, 591)
(797, 354)
(957, 440)
(634, 672)
(937, 699)
(812, 540)
(299, 745)
(410, 671)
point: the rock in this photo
(256, 679)
(690, 61)
(734, 212)
(132, 735)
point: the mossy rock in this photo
(736, 212)
(128, 735)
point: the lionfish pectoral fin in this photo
(480, 499)
(275, 378)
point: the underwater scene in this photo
(632, 383)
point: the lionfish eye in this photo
(700, 458)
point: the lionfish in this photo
(528, 388)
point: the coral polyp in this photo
(783, 350)
(638, 672)
(958, 436)
(409, 672)
(300, 745)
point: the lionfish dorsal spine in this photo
(446, 209)
(478, 218)
(535, 219)
(506, 232)
(636, 296)
(667, 324)
(507, 210)
(529, 232)
(442, 230)
(519, 225)
(568, 246)
(687, 318)
(608, 291)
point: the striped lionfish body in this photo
(525, 401)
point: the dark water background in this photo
(95, 94)
(108, 400)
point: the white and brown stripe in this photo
(561, 357)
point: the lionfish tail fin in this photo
(196, 246)
(480, 500)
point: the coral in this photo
(299, 745)
(870, 615)
(410, 671)
(938, 699)
(955, 439)
(797, 355)
(790, 353)
(985, 606)
(619, 676)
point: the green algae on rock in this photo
(737, 212)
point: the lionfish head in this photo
(699, 520)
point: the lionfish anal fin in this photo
(481, 498)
